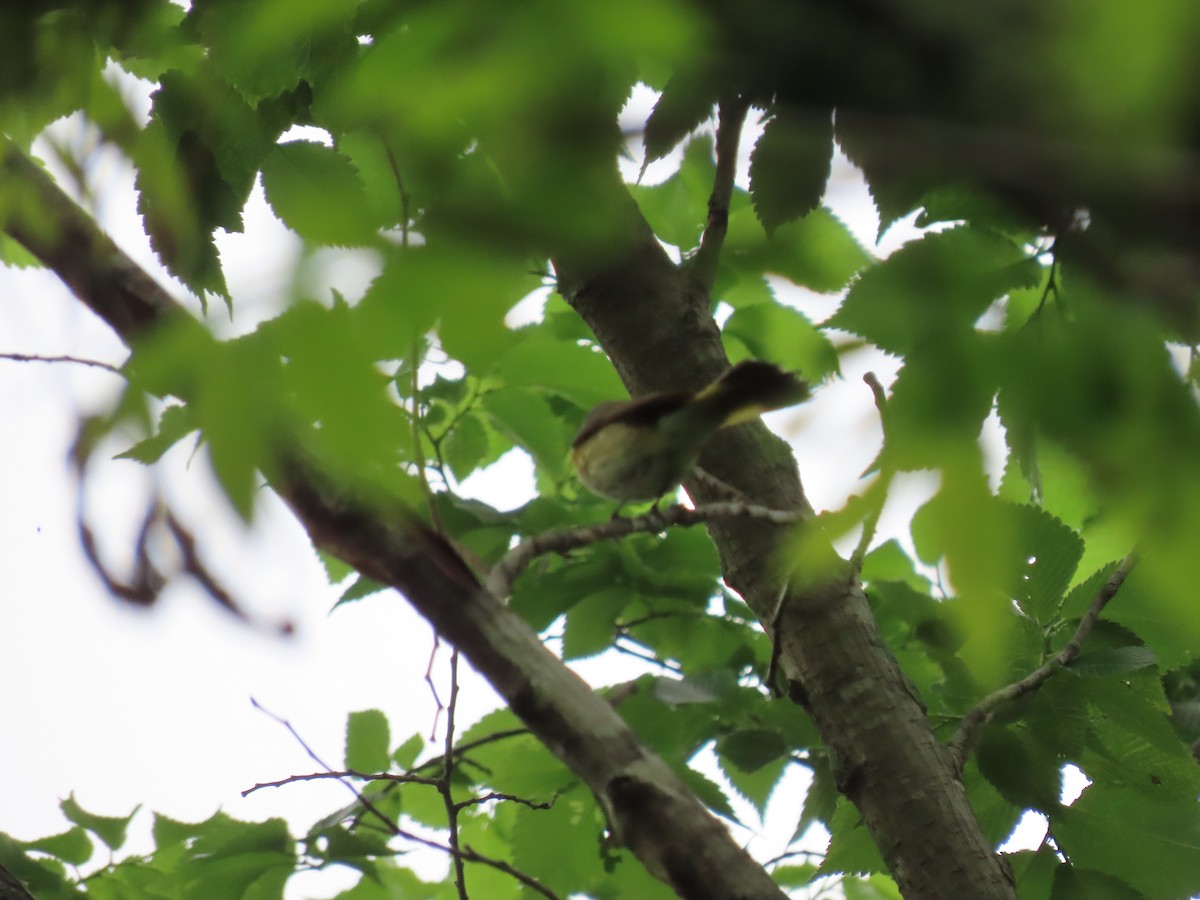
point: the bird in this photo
(638, 450)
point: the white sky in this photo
(126, 706)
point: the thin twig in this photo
(504, 573)
(399, 778)
(460, 873)
(887, 472)
(496, 795)
(731, 117)
(466, 854)
(776, 644)
(973, 722)
(79, 361)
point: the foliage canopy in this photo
(470, 147)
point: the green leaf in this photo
(538, 848)
(367, 741)
(1034, 872)
(591, 623)
(1112, 661)
(676, 207)
(790, 164)
(317, 193)
(466, 447)
(175, 424)
(686, 102)
(72, 846)
(785, 336)
(110, 829)
(1021, 769)
(756, 785)
(752, 748)
(708, 792)
(851, 848)
(1151, 844)
(876, 887)
(930, 291)
(526, 417)
(1134, 742)
(406, 754)
(1050, 552)
(582, 375)
(1162, 616)
(360, 587)
(817, 252)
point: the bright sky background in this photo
(125, 706)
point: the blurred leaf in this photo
(72, 846)
(817, 252)
(932, 290)
(676, 207)
(367, 741)
(110, 829)
(784, 336)
(683, 106)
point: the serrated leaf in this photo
(676, 207)
(72, 846)
(538, 847)
(367, 740)
(851, 848)
(1153, 845)
(1112, 661)
(591, 623)
(175, 424)
(817, 252)
(362, 586)
(584, 376)
(752, 748)
(790, 164)
(406, 754)
(685, 103)
(1163, 618)
(465, 448)
(110, 829)
(755, 786)
(935, 287)
(526, 417)
(317, 193)
(1047, 555)
(1025, 773)
(784, 336)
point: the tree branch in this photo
(512, 564)
(731, 117)
(973, 723)
(649, 808)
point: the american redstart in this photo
(631, 450)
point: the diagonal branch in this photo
(731, 116)
(976, 720)
(650, 809)
(512, 564)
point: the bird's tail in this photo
(746, 391)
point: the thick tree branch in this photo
(976, 720)
(650, 809)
